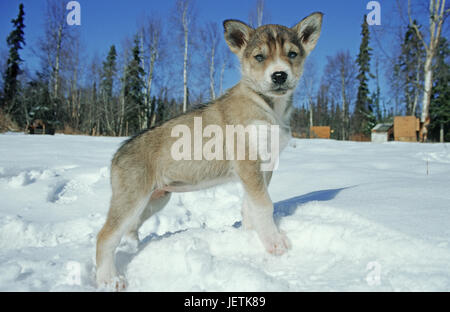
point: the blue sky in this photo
(107, 22)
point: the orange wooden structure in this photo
(359, 137)
(322, 132)
(406, 128)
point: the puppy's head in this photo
(272, 56)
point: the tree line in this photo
(166, 69)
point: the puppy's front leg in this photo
(259, 207)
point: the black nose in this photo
(279, 77)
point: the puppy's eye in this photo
(259, 57)
(292, 55)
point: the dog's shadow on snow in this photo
(288, 206)
(282, 209)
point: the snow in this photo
(360, 216)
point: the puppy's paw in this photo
(277, 243)
(117, 283)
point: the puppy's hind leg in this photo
(158, 201)
(128, 201)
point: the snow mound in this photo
(360, 216)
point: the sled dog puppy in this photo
(144, 172)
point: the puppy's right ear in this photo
(237, 35)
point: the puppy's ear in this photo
(308, 30)
(237, 35)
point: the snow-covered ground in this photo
(360, 216)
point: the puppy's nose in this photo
(279, 77)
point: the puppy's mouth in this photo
(279, 90)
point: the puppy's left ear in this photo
(308, 30)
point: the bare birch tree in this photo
(258, 15)
(124, 58)
(74, 101)
(340, 74)
(308, 86)
(226, 63)
(184, 15)
(436, 14)
(151, 34)
(56, 49)
(211, 36)
(56, 32)
(93, 123)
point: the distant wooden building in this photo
(383, 132)
(40, 127)
(406, 128)
(359, 137)
(300, 133)
(323, 132)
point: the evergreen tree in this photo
(133, 90)
(107, 83)
(15, 42)
(95, 127)
(375, 100)
(440, 94)
(364, 119)
(410, 66)
(376, 97)
(321, 113)
(161, 111)
(109, 71)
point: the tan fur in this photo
(143, 172)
